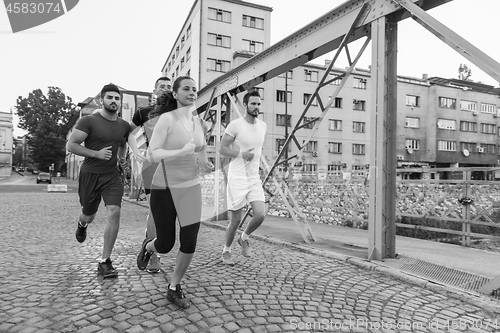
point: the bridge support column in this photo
(383, 160)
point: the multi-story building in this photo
(6, 144)
(217, 36)
(441, 122)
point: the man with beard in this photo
(104, 135)
(163, 86)
(242, 141)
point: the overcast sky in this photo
(127, 42)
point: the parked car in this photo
(44, 177)
(35, 172)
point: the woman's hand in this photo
(206, 167)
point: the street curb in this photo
(483, 302)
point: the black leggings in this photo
(166, 205)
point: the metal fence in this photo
(448, 201)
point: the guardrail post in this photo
(466, 229)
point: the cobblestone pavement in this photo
(48, 283)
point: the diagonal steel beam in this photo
(452, 39)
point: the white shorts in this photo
(243, 191)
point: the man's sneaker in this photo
(144, 256)
(177, 297)
(106, 269)
(154, 264)
(81, 233)
(245, 247)
(226, 258)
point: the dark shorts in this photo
(94, 186)
(148, 171)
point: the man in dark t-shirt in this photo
(141, 119)
(104, 135)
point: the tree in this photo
(44, 117)
(464, 72)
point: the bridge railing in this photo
(458, 202)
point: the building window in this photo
(188, 31)
(358, 127)
(253, 22)
(488, 148)
(310, 167)
(177, 71)
(468, 126)
(488, 128)
(335, 147)
(447, 103)
(311, 146)
(412, 122)
(183, 40)
(280, 120)
(488, 108)
(219, 40)
(338, 102)
(279, 145)
(470, 146)
(182, 62)
(413, 144)
(447, 124)
(311, 76)
(334, 167)
(177, 52)
(444, 145)
(310, 121)
(358, 149)
(218, 65)
(412, 100)
(306, 99)
(335, 125)
(289, 74)
(358, 105)
(188, 54)
(359, 83)
(281, 94)
(260, 91)
(253, 46)
(219, 15)
(468, 106)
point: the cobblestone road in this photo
(48, 283)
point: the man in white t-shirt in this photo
(243, 142)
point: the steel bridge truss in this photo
(376, 21)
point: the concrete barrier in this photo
(57, 188)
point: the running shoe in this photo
(177, 297)
(154, 264)
(246, 251)
(226, 258)
(144, 256)
(81, 232)
(106, 269)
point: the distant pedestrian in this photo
(104, 135)
(243, 141)
(140, 119)
(178, 144)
